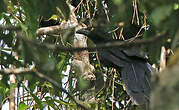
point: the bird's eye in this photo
(92, 29)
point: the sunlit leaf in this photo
(63, 102)
(23, 106)
(13, 85)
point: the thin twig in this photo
(133, 17)
(113, 88)
(89, 15)
(135, 13)
(163, 59)
(95, 10)
(54, 83)
(78, 5)
(18, 71)
(127, 104)
(3, 101)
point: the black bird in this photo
(131, 63)
(52, 21)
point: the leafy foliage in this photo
(24, 49)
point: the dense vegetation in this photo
(42, 64)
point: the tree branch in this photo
(109, 45)
(54, 83)
(56, 29)
(116, 44)
(18, 71)
(12, 28)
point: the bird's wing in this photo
(136, 77)
(113, 58)
(135, 52)
(136, 74)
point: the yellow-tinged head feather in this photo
(54, 17)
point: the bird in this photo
(52, 21)
(131, 63)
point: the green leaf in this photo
(62, 58)
(63, 102)
(46, 8)
(64, 8)
(117, 2)
(39, 55)
(7, 39)
(4, 90)
(23, 106)
(27, 52)
(48, 64)
(176, 6)
(161, 13)
(3, 6)
(7, 59)
(24, 27)
(83, 84)
(13, 85)
(38, 101)
(33, 9)
(34, 85)
(50, 102)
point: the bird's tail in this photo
(136, 78)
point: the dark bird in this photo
(52, 21)
(131, 63)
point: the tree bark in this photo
(12, 92)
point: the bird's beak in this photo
(83, 31)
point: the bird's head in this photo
(97, 35)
